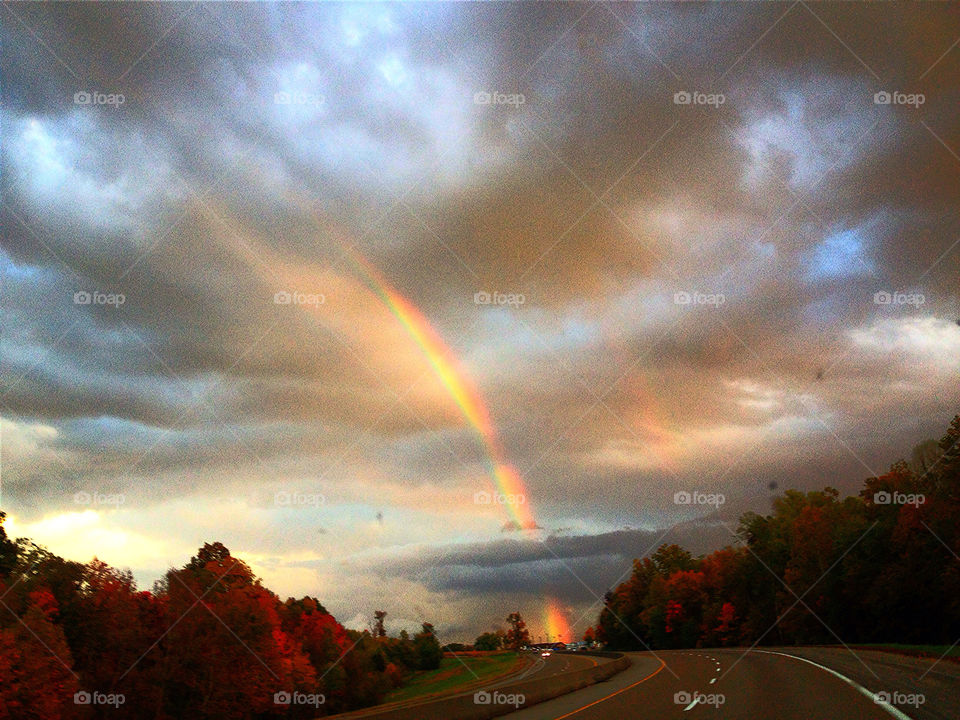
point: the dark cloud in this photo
(577, 569)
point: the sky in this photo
(445, 309)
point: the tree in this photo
(924, 457)
(726, 591)
(725, 623)
(117, 625)
(226, 654)
(364, 684)
(488, 641)
(37, 682)
(378, 629)
(8, 550)
(669, 559)
(325, 642)
(427, 648)
(517, 634)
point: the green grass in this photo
(452, 674)
(932, 650)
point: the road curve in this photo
(555, 664)
(779, 684)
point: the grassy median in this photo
(455, 672)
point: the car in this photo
(545, 654)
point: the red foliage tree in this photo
(226, 653)
(36, 681)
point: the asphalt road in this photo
(553, 665)
(775, 683)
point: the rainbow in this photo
(444, 364)
(456, 382)
(555, 623)
(440, 358)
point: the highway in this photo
(553, 665)
(440, 708)
(775, 683)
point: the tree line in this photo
(515, 637)
(883, 566)
(210, 641)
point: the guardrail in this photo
(496, 699)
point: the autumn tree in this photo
(726, 596)
(118, 625)
(226, 653)
(325, 643)
(517, 633)
(36, 679)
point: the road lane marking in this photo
(695, 701)
(860, 688)
(607, 697)
(713, 681)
